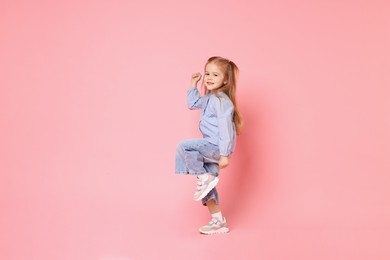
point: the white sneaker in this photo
(215, 226)
(204, 187)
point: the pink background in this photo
(92, 106)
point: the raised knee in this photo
(179, 147)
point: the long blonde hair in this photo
(230, 70)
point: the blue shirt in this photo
(216, 120)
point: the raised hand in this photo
(195, 78)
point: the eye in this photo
(215, 75)
(207, 73)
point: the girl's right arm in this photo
(194, 100)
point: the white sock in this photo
(217, 215)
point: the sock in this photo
(217, 215)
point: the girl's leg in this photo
(213, 207)
(214, 210)
(192, 157)
(192, 154)
(218, 223)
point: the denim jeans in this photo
(198, 156)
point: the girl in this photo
(219, 123)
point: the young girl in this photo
(219, 123)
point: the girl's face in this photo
(213, 77)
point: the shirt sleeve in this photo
(194, 100)
(225, 110)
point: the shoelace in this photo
(199, 184)
(213, 221)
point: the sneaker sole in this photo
(211, 186)
(213, 232)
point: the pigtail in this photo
(231, 92)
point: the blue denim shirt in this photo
(216, 120)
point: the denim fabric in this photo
(198, 156)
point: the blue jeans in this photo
(198, 156)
